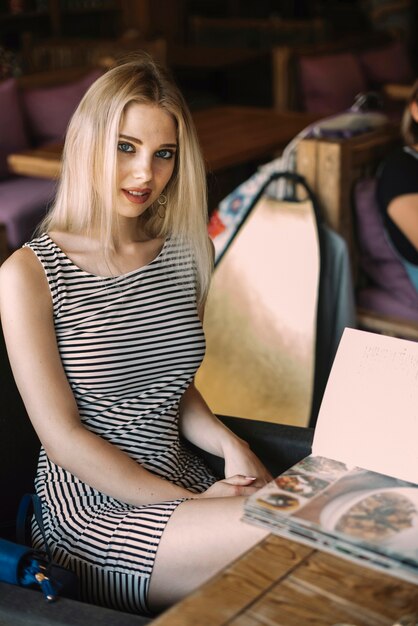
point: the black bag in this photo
(24, 566)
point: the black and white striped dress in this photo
(130, 346)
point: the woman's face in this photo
(146, 157)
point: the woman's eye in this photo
(123, 146)
(165, 154)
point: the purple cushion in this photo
(377, 300)
(389, 64)
(329, 83)
(12, 132)
(49, 109)
(393, 292)
(23, 204)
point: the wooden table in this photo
(229, 136)
(282, 583)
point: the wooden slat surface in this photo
(283, 583)
(238, 586)
(327, 590)
(380, 592)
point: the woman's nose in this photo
(143, 168)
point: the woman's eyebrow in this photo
(138, 141)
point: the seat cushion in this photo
(376, 299)
(23, 204)
(329, 83)
(391, 290)
(388, 64)
(12, 131)
(48, 110)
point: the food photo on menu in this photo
(367, 514)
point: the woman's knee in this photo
(200, 539)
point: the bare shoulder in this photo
(21, 274)
(22, 264)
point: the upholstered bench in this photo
(35, 110)
(326, 78)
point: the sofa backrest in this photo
(329, 83)
(36, 109)
(48, 110)
(325, 78)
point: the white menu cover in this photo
(369, 413)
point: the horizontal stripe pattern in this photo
(130, 346)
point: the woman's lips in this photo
(137, 196)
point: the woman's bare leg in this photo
(201, 538)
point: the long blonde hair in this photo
(86, 191)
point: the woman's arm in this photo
(403, 210)
(26, 315)
(202, 428)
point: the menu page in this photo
(369, 413)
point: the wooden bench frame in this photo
(331, 168)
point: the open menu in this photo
(357, 493)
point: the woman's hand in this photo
(239, 459)
(237, 485)
(200, 426)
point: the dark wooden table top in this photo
(229, 136)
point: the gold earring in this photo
(162, 201)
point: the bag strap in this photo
(22, 516)
(289, 176)
(296, 179)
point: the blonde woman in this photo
(102, 314)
